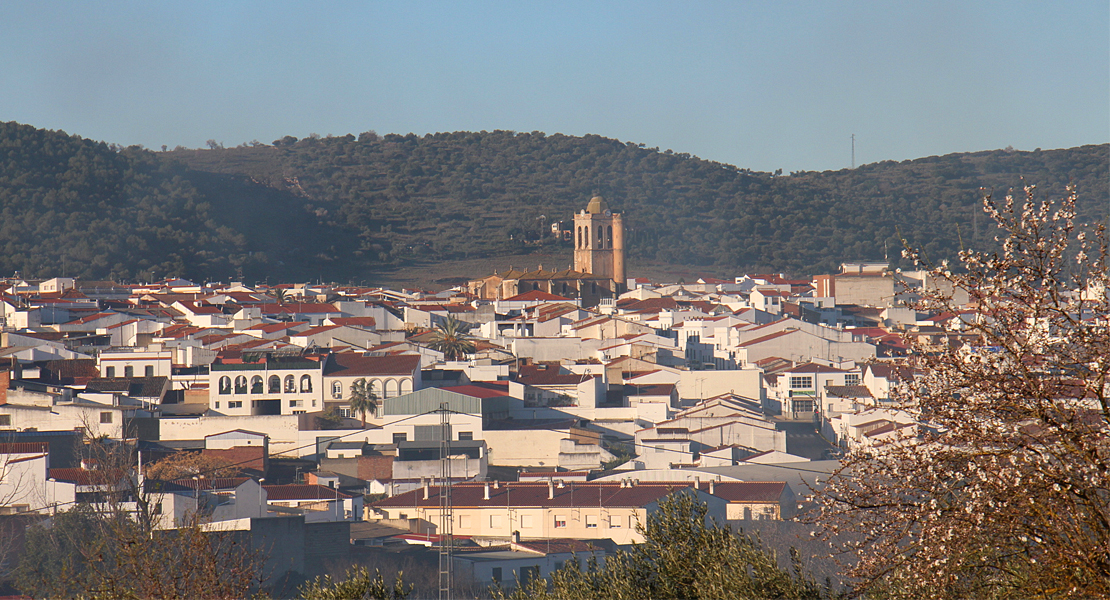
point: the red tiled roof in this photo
(555, 546)
(24, 447)
(211, 483)
(344, 364)
(86, 477)
(749, 491)
(297, 308)
(769, 337)
(814, 368)
(481, 389)
(304, 491)
(355, 321)
(536, 295)
(571, 495)
(273, 327)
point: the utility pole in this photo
(445, 517)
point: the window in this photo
(290, 384)
(306, 383)
(591, 521)
(615, 522)
(400, 437)
(632, 521)
(560, 521)
(148, 371)
(298, 412)
(129, 371)
(111, 372)
(240, 385)
(235, 404)
(336, 390)
(525, 521)
(495, 521)
(225, 384)
(851, 379)
(273, 385)
(466, 436)
(5, 420)
(464, 521)
(106, 417)
(528, 575)
(256, 384)
(294, 403)
(798, 382)
(496, 574)
(217, 405)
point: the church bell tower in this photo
(599, 242)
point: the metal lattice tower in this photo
(446, 519)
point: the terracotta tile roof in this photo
(749, 491)
(571, 495)
(347, 364)
(24, 447)
(206, 483)
(848, 391)
(481, 389)
(304, 491)
(136, 387)
(87, 477)
(813, 368)
(355, 321)
(534, 375)
(275, 327)
(768, 337)
(301, 308)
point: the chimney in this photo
(516, 537)
(427, 488)
(562, 484)
(485, 496)
(550, 489)
(712, 487)
(496, 484)
(635, 482)
(697, 482)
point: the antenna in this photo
(446, 540)
(853, 150)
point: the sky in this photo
(760, 85)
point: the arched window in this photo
(290, 384)
(406, 386)
(601, 237)
(609, 236)
(256, 384)
(579, 237)
(336, 389)
(225, 385)
(240, 385)
(274, 386)
(587, 231)
(306, 383)
(391, 388)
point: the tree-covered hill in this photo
(343, 207)
(90, 209)
(458, 195)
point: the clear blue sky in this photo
(762, 85)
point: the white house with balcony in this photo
(266, 383)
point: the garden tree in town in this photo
(85, 552)
(1004, 490)
(183, 465)
(278, 294)
(358, 584)
(451, 338)
(681, 557)
(363, 399)
(122, 544)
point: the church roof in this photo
(597, 206)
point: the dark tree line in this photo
(340, 207)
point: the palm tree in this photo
(277, 294)
(363, 399)
(451, 338)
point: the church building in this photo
(598, 270)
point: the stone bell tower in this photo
(599, 242)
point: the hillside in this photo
(342, 208)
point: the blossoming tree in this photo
(1004, 490)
